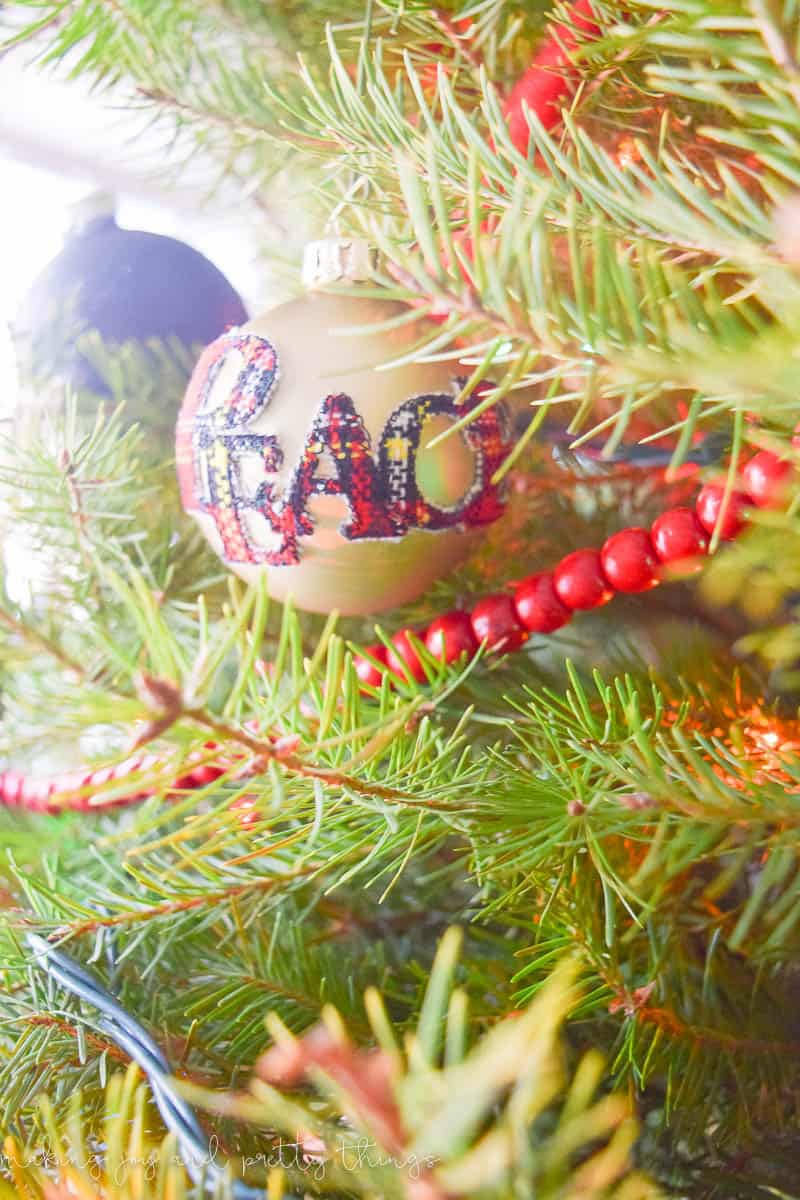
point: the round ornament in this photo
(124, 284)
(300, 459)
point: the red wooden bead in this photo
(494, 621)
(766, 478)
(450, 636)
(629, 560)
(580, 582)
(709, 507)
(366, 670)
(538, 607)
(184, 783)
(677, 535)
(403, 660)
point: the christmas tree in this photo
(492, 891)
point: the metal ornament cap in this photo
(337, 260)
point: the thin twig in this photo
(667, 1021)
(79, 520)
(231, 124)
(262, 884)
(635, 1007)
(265, 751)
(44, 643)
(460, 44)
(100, 1044)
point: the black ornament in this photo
(126, 285)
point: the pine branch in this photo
(629, 272)
(41, 642)
(412, 1106)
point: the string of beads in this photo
(633, 560)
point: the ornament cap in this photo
(96, 206)
(337, 260)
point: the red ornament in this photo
(580, 582)
(537, 606)
(677, 535)
(629, 561)
(366, 670)
(766, 478)
(494, 621)
(403, 659)
(710, 511)
(451, 636)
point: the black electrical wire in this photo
(178, 1116)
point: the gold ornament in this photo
(298, 456)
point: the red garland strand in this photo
(72, 791)
(633, 560)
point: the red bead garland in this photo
(451, 636)
(403, 659)
(678, 536)
(629, 561)
(714, 511)
(537, 605)
(766, 478)
(494, 621)
(69, 791)
(580, 582)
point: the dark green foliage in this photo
(624, 794)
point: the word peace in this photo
(382, 494)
